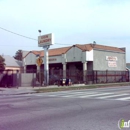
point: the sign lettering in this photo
(112, 64)
(45, 40)
(111, 58)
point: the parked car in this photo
(64, 81)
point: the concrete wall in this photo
(89, 55)
(27, 79)
(74, 54)
(100, 62)
(30, 59)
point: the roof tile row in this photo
(85, 47)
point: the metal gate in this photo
(9, 78)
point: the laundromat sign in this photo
(46, 40)
(112, 61)
(111, 58)
(112, 64)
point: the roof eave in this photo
(108, 50)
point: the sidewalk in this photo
(21, 90)
(30, 89)
(25, 90)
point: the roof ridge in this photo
(106, 46)
(83, 47)
(60, 48)
(97, 44)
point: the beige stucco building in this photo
(79, 57)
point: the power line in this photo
(31, 45)
(26, 36)
(18, 46)
(18, 34)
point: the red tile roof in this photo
(89, 47)
(52, 52)
(85, 47)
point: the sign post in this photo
(46, 67)
(45, 41)
(39, 62)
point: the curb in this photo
(31, 90)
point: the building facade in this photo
(77, 58)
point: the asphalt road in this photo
(93, 109)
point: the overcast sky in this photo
(72, 21)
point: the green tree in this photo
(18, 55)
(2, 64)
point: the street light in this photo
(39, 32)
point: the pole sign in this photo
(46, 40)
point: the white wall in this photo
(89, 55)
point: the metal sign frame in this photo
(45, 41)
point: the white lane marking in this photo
(88, 95)
(94, 95)
(112, 96)
(125, 98)
(67, 94)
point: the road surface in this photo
(88, 109)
